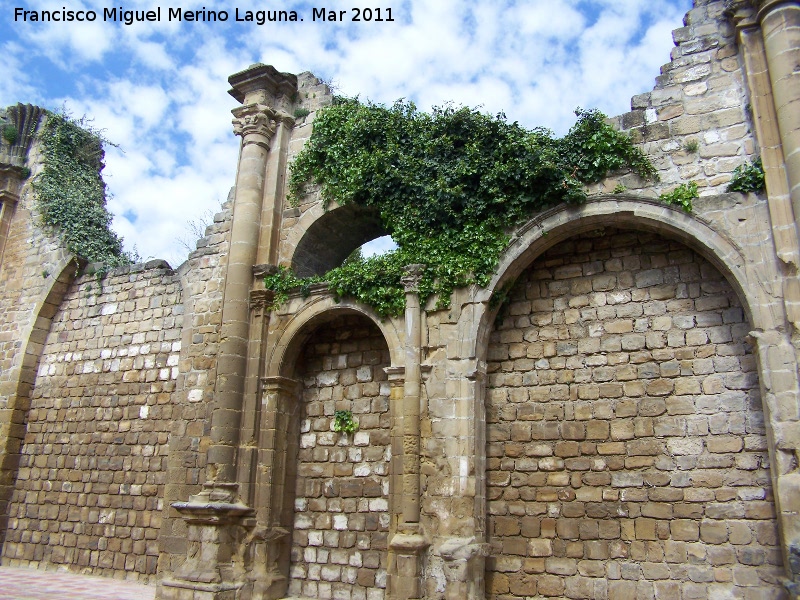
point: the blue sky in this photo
(159, 89)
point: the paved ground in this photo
(31, 584)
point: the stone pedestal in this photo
(213, 569)
(406, 554)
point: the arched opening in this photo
(626, 446)
(341, 490)
(332, 237)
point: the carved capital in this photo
(261, 299)
(742, 14)
(256, 123)
(412, 277)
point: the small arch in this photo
(338, 354)
(319, 310)
(333, 236)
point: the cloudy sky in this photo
(159, 89)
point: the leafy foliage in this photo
(70, 192)
(448, 186)
(682, 196)
(748, 178)
(343, 422)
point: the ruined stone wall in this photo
(342, 508)
(626, 451)
(695, 125)
(90, 485)
(202, 278)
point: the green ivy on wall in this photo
(449, 186)
(748, 178)
(70, 193)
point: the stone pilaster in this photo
(260, 303)
(780, 28)
(766, 126)
(275, 476)
(766, 38)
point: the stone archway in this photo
(329, 491)
(626, 447)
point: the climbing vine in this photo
(70, 193)
(748, 177)
(448, 185)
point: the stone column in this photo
(411, 393)
(253, 123)
(260, 88)
(406, 546)
(780, 27)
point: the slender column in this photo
(411, 393)
(260, 88)
(407, 545)
(780, 27)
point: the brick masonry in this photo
(626, 442)
(342, 491)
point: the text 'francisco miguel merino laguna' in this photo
(259, 17)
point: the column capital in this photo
(412, 277)
(281, 384)
(256, 123)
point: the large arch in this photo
(67, 266)
(564, 221)
(750, 272)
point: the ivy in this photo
(343, 422)
(449, 185)
(748, 178)
(682, 196)
(70, 193)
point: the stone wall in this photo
(90, 486)
(626, 452)
(202, 279)
(342, 508)
(695, 124)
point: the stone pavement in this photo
(18, 583)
